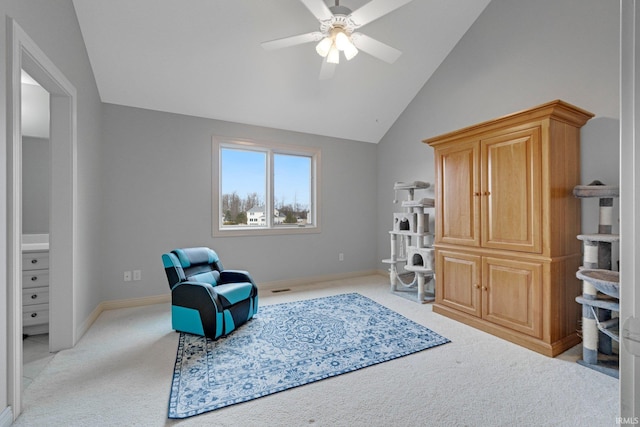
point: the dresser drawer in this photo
(35, 279)
(36, 314)
(35, 260)
(33, 296)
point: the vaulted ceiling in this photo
(203, 58)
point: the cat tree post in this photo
(589, 292)
(393, 273)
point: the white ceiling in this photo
(35, 108)
(203, 58)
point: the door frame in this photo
(25, 54)
(629, 209)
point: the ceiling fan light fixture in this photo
(334, 55)
(350, 51)
(324, 46)
(342, 40)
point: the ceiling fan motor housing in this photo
(340, 19)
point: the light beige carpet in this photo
(119, 374)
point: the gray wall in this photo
(518, 54)
(156, 177)
(35, 185)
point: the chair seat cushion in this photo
(210, 277)
(233, 293)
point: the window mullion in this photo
(269, 202)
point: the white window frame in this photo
(271, 148)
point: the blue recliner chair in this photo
(206, 299)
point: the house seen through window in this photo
(264, 187)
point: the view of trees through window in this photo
(246, 175)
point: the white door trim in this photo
(25, 54)
(629, 211)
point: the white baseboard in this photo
(135, 302)
(294, 283)
(6, 417)
(123, 303)
(266, 286)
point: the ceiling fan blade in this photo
(293, 40)
(375, 48)
(319, 9)
(326, 70)
(374, 10)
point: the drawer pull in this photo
(34, 261)
(34, 296)
(34, 314)
(34, 278)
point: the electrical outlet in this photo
(340, 256)
(137, 275)
(127, 276)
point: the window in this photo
(264, 188)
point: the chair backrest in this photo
(192, 264)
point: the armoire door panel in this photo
(511, 294)
(458, 195)
(458, 282)
(511, 198)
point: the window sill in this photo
(251, 231)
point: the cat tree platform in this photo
(606, 281)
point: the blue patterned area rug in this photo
(289, 345)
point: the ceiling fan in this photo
(338, 25)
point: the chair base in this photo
(184, 319)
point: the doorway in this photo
(36, 172)
(26, 55)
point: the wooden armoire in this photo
(506, 226)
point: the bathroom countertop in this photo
(35, 242)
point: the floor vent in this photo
(277, 291)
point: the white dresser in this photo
(35, 284)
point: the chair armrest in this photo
(235, 276)
(201, 297)
(191, 287)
